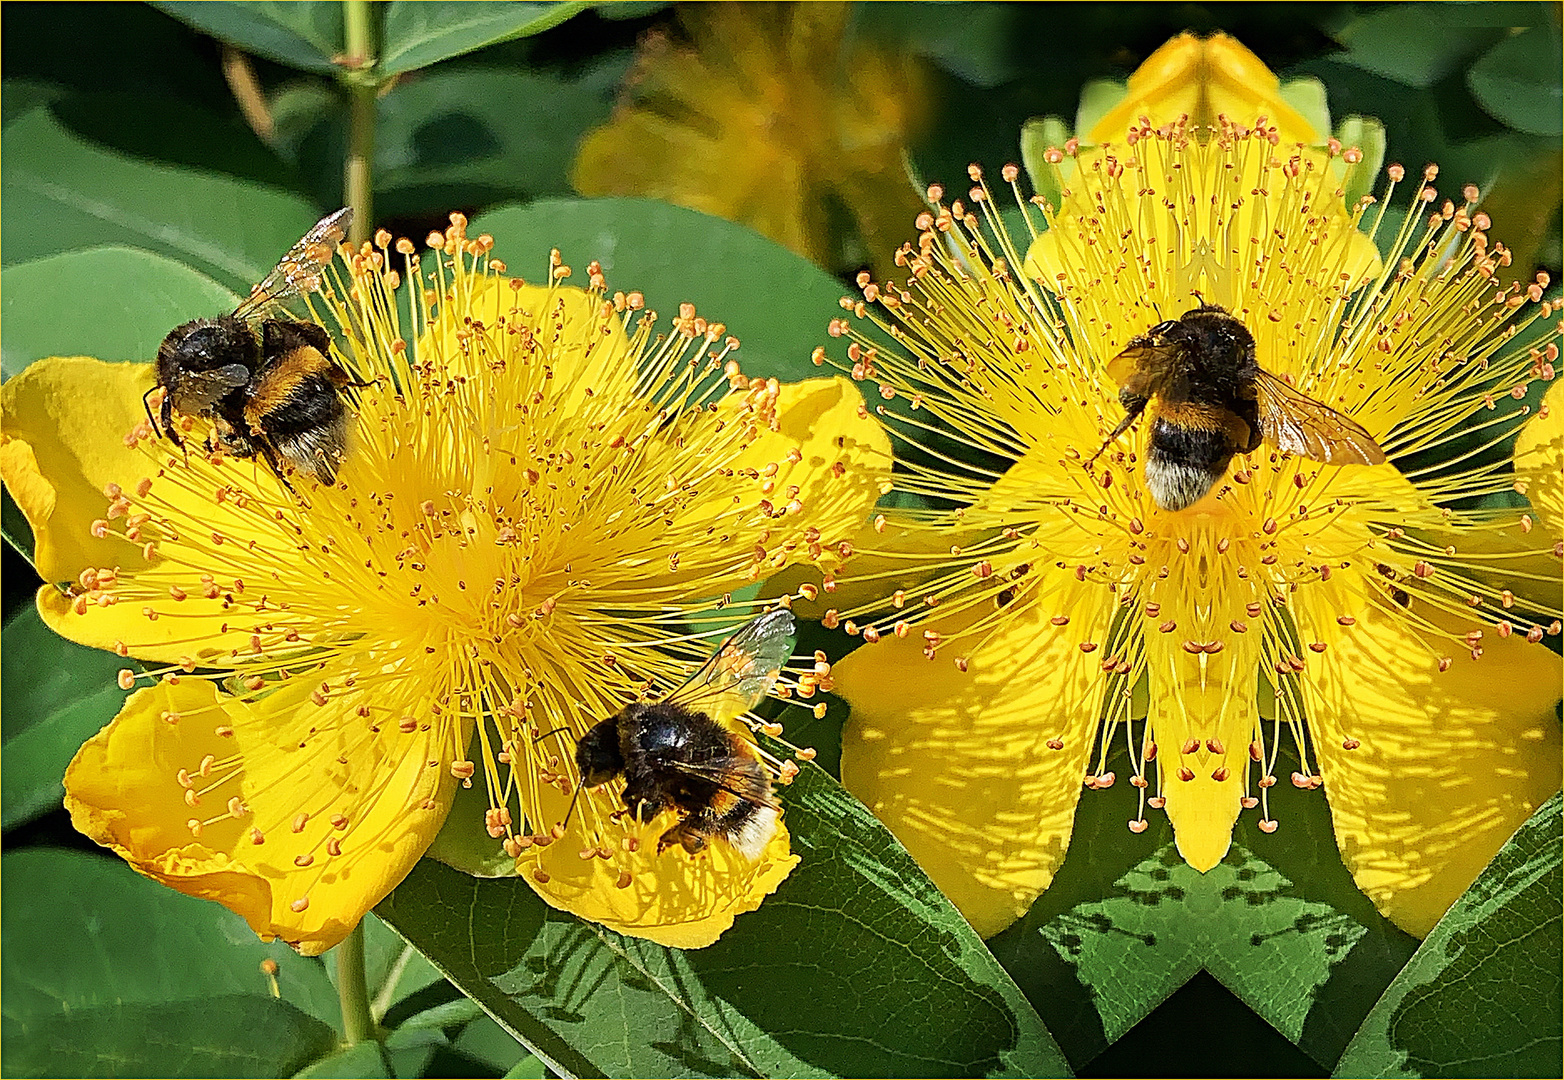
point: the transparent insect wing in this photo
(742, 670)
(299, 271)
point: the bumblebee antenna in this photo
(571, 809)
(546, 734)
(147, 405)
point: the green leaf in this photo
(1520, 81)
(856, 966)
(234, 1035)
(92, 947)
(418, 34)
(112, 303)
(1419, 44)
(1279, 922)
(300, 33)
(1481, 997)
(366, 1059)
(484, 1040)
(64, 193)
(57, 696)
(776, 303)
(457, 135)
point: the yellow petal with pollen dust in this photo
(1448, 764)
(219, 800)
(65, 422)
(1539, 460)
(958, 764)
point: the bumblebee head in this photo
(205, 344)
(597, 754)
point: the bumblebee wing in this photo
(1294, 421)
(742, 669)
(298, 272)
(1144, 367)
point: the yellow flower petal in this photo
(673, 898)
(1204, 79)
(1449, 764)
(300, 841)
(1539, 460)
(957, 764)
(64, 421)
(825, 444)
(1202, 685)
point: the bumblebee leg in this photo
(692, 833)
(166, 411)
(1134, 405)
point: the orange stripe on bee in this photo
(1191, 415)
(282, 377)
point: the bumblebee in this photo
(1210, 399)
(680, 752)
(266, 381)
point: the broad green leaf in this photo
(1279, 923)
(91, 946)
(485, 1041)
(418, 33)
(1419, 44)
(305, 34)
(112, 303)
(978, 46)
(776, 303)
(1520, 81)
(57, 695)
(63, 193)
(366, 1059)
(459, 135)
(856, 966)
(227, 1035)
(1481, 997)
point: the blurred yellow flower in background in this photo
(772, 116)
(1394, 641)
(544, 509)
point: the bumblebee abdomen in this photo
(1186, 455)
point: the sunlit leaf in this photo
(856, 966)
(1481, 997)
(63, 193)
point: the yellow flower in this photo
(764, 119)
(1353, 611)
(545, 504)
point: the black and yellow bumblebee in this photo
(266, 381)
(682, 752)
(1209, 399)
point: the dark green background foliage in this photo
(136, 194)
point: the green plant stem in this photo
(357, 186)
(358, 1024)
